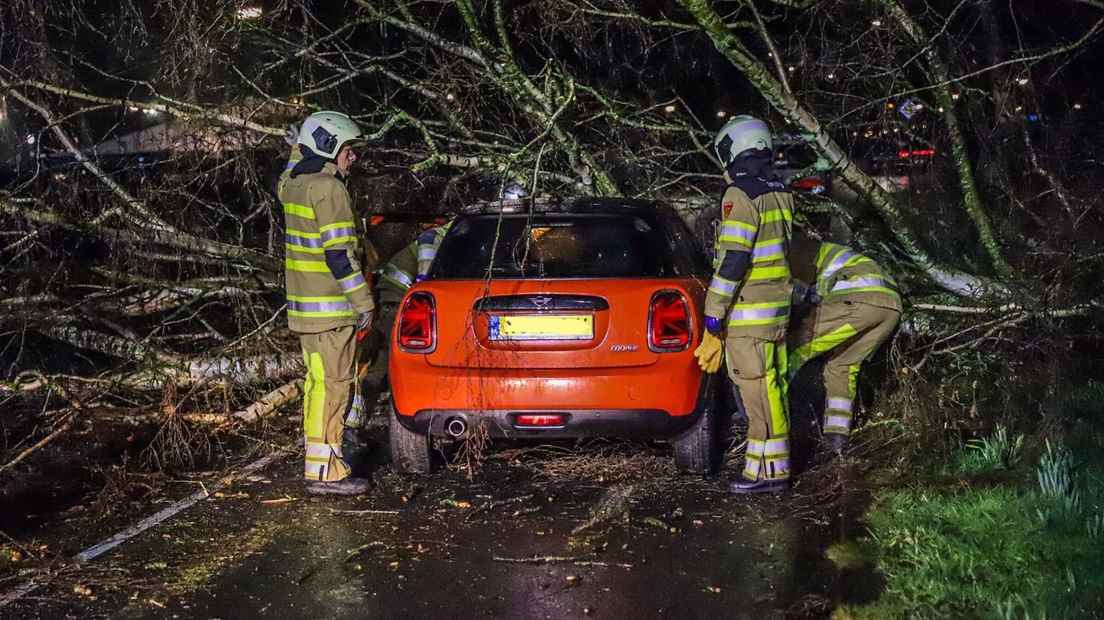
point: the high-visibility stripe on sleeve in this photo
(338, 233)
(427, 252)
(399, 277)
(352, 283)
(721, 286)
(738, 233)
(302, 211)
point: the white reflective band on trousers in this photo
(834, 422)
(767, 460)
(839, 404)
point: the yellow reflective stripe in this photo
(302, 211)
(776, 215)
(303, 233)
(337, 241)
(780, 420)
(314, 395)
(825, 252)
(336, 225)
(308, 266)
(857, 260)
(292, 247)
(768, 273)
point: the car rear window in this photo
(554, 246)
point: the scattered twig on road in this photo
(336, 511)
(279, 500)
(556, 559)
(499, 504)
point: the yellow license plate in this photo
(533, 327)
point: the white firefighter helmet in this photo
(742, 133)
(325, 133)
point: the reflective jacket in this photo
(326, 288)
(841, 273)
(398, 274)
(413, 260)
(757, 218)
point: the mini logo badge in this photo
(541, 302)
(623, 348)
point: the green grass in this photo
(990, 454)
(994, 551)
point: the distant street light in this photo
(669, 109)
(877, 23)
(30, 139)
(1022, 81)
(1077, 106)
(721, 114)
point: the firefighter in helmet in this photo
(748, 303)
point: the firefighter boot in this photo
(743, 486)
(835, 443)
(346, 486)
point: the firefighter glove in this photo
(710, 353)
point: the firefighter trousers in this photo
(758, 369)
(327, 400)
(847, 332)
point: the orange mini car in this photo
(574, 319)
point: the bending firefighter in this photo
(858, 309)
(328, 299)
(408, 266)
(748, 303)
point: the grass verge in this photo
(1003, 550)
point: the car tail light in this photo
(417, 324)
(543, 419)
(668, 322)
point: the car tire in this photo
(410, 450)
(696, 448)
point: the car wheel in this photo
(696, 448)
(410, 451)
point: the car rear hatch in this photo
(567, 291)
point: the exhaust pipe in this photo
(456, 427)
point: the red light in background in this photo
(905, 154)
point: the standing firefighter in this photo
(328, 298)
(748, 303)
(859, 308)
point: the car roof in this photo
(599, 205)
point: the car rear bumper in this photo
(503, 423)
